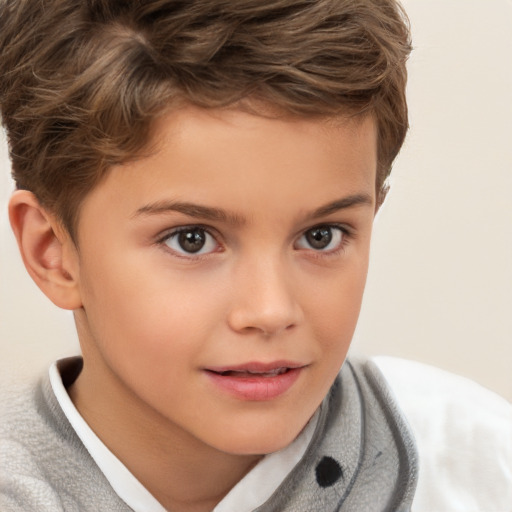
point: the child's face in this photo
(241, 245)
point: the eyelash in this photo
(169, 235)
(346, 235)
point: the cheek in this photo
(333, 311)
(148, 317)
(335, 303)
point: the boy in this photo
(197, 181)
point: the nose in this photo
(265, 300)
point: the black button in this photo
(328, 472)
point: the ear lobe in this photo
(47, 250)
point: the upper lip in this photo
(255, 367)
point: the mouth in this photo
(250, 373)
(255, 381)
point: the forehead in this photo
(247, 163)
(250, 120)
(189, 137)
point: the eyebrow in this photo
(219, 215)
(342, 204)
(192, 210)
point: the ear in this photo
(49, 254)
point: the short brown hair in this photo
(82, 81)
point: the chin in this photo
(261, 448)
(260, 441)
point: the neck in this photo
(179, 470)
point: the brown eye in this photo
(191, 241)
(321, 238)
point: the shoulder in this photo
(19, 412)
(23, 485)
(464, 437)
(45, 467)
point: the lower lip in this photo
(256, 388)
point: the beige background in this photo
(440, 283)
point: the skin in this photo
(152, 317)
